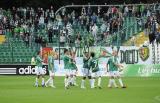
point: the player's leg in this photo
(111, 80)
(37, 76)
(90, 80)
(66, 82)
(67, 79)
(120, 80)
(99, 82)
(42, 74)
(83, 82)
(36, 82)
(43, 81)
(52, 80)
(74, 78)
(93, 80)
(83, 78)
(99, 79)
(71, 80)
(74, 72)
(90, 76)
(114, 77)
(48, 81)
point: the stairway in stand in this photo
(2, 39)
(138, 40)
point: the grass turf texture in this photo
(20, 89)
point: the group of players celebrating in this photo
(90, 70)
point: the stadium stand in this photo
(27, 29)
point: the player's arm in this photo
(69, 57)
(85, 58)
(102, 56)
(105, 56)
(49, 62)
(107, 67)
(51, 65)
(83, 54)
(120, 67)
(89, 64)
(55, 56)
(76, 69)
(40, 59)
(118, 64)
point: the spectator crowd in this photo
(86, 25)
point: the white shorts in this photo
(96, 74)
(114, 74)
(68, 72)
(39, 70)
(73, 72)
(86, 72)
(51, 73)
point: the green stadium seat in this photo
(16, 60)
(1, 61)
(9, 60)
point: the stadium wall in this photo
(137, 61)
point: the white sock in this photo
(82, 83)
(69, 80)
(90, 80)
(43, 81)
(120, 82)
(99, 82)
(114, 83)
(66, 82)
(74, 80)
(93, 82)
(36, 81)
(110, 83)
(51, 81)
(48, 81)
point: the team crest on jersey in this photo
(144, 53)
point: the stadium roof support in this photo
(71, 6)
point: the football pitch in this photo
(20, 89)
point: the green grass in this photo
(20, 89)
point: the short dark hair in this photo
(92, 54)
(38, 52)
(65, 50)
(85, 52)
